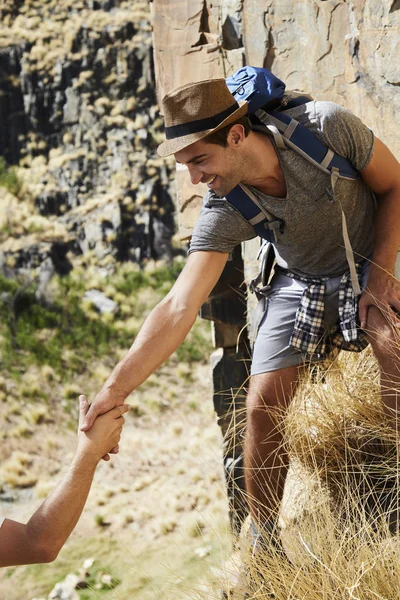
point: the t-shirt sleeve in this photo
(345, 133)
(220, 227)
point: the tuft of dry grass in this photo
(16, 472)
(338, 521)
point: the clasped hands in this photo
(105, 413)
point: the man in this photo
(41, 539)
(207, 130)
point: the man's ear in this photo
(236, 135)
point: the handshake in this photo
(100, 435)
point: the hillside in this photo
(87, 248)
(170, 451)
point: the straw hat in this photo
(195, 110)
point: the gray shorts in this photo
(272, 349)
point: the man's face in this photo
(214, 165)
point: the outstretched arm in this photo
(383, 176)
(41, 539)
(162, 332)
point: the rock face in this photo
(338, 50)
(334, 49)
(80, 122)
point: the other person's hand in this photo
(104, 434)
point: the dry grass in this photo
(338, 521)
(17, 471)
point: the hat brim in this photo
(172, 146)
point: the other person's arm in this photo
(41, 539)
(162, 332)
(382, 174)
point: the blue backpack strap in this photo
(307, 144)
(310, 147)
(264, 224)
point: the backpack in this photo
(267, 101)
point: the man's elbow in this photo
(181, 309)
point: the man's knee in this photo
(274, 389)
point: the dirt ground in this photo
(157, 518)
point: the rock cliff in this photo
(339, 50)
(80, 122)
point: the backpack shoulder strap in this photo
(265, 225)
(316, 152)
(303, 141)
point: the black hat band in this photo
(177, 131)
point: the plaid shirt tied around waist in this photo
(309, 334)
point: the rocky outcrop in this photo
(333, 49)
(81, 123)
(336, 50)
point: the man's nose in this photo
(195, 174)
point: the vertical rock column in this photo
(196, 40)
(226, 307)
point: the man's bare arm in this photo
(162, 332)
(383, 176)
(41, 539)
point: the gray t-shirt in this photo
(312, 241)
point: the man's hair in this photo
(220, 137)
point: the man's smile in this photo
(211, 181)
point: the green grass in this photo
(161, 279)
(66, 333)
(9, 178)
(64, 322)
(140, 569)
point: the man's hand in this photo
(104, 433)
(103, 402)
(382, 291)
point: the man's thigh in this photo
(272, 349)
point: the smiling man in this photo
(208, 131)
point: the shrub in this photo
(65, 336)
(9, 178)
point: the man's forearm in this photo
(387, 231)
(163, 331)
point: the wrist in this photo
(85, 457)
(383, 261)
(121, 381)
(378, 270)
(113, 389)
